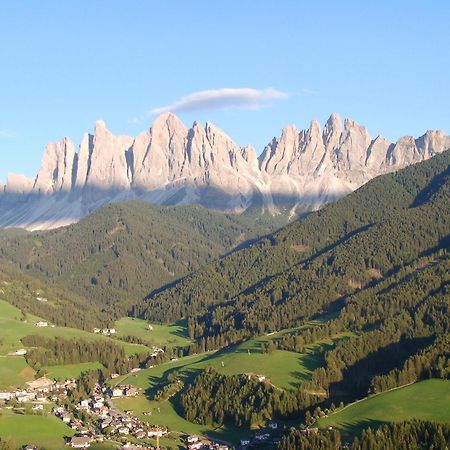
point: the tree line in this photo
(410, 435)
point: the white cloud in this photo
(7, 134)
(224, 98)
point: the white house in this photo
(80, 442)
(117, 392)
(42, 324)
(5, 395)
(20, 352)
(156, 432)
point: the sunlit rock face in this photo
(299, 171)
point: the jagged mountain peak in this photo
(172, 164)
(169, 121)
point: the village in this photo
(94, 419)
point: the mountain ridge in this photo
(170, 164)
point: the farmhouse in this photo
(5, 395)
(117, 392)
(131, 392)
(192, 439)
(310, 431)
(42, 324)
(42, 384)
(141, 434)
(108, 331)
(156, 432)
(23, 397)
(80, 442)
(20, 352)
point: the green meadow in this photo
(70, 370)
(13, 327)
(44, 431)
(426, 400)
(283, 369)
(14, 371)
(154, 334)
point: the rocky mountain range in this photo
(172, 164)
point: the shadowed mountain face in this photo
(171, 164)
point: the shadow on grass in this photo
(187, 373)
(352, 429)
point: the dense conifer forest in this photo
(414, 435)
(123, 251)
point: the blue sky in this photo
(65, 64)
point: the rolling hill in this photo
(118, 254)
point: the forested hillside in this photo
(121, 252)
(374, 268)
(391, 227)
(58, 305)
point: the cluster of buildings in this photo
(123, 390)
(104, 419)
(195, 443)
(271, 434)
(40, 390)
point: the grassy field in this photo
(13, 329)
(427, 400)
(44, 431)
(284, 369)
(70, 370)
(158, 335)
(14, 371)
